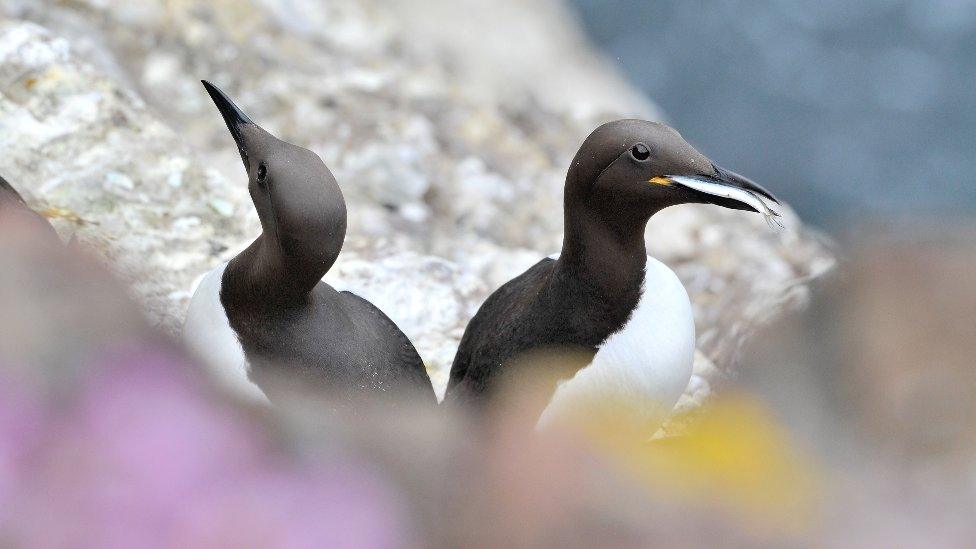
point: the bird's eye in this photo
(262, 172)
(640, 152)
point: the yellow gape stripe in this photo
(660, 181)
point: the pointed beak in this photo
(725, 188)
(234, 117)
(735, 180)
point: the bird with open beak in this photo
(626, 316)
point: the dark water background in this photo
(851, 110)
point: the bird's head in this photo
(295, 194)
(629, 169)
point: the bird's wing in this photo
(491, 311)
(414, 369)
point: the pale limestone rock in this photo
(76, 142)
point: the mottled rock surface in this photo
(452, 175)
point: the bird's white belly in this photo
(644, 367)
(208, 335)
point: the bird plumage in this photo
(625, 317)
(265, 321)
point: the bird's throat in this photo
(608, 256)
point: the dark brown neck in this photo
(266, 275)
(607, 252)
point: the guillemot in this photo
(625, 314)
(265, 323)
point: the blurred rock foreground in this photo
(451, 155)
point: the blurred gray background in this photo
(852, 111)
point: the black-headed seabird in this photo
(267, 312)
(626, 314)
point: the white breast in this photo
(208, 335)
(641, 369)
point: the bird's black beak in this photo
(724, 188)
(234, 117)
(731, 178)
